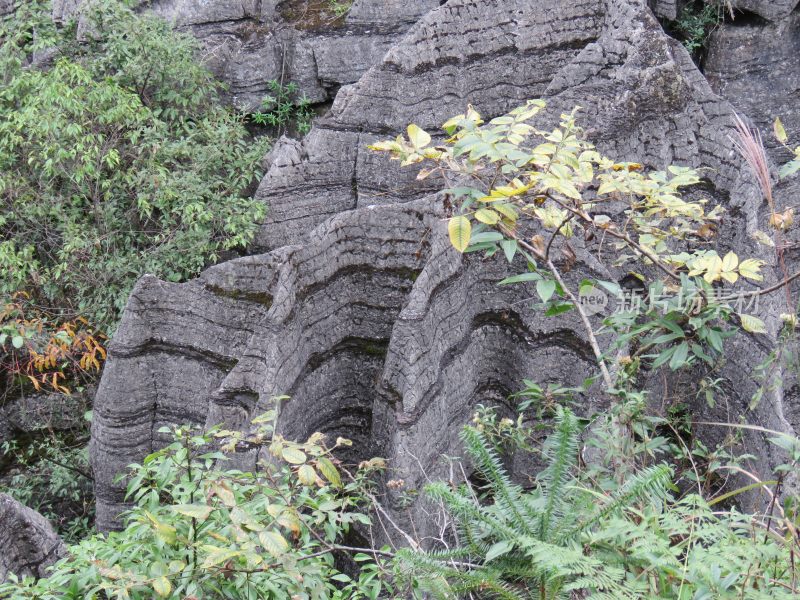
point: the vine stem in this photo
(586, 324)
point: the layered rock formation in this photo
(358, 308)
(29, 543)
(250, 43)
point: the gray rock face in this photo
(769, 9)
(358, 308)
(247, 44)
(755, 67)
(6, 7)
(43, 413)
(29, 543)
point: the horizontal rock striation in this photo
(359, 309)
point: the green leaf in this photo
(558, 309)
(329, 471)
(679, 356)
(522, 277)
(273, 542)
(498, 549)
(545, 288)
(459, 229)
(486, 236)
(195, 511)
(789, 168)
(752, 324)
(663, 357)
(293, 455)
(17, 341)
(509, 249)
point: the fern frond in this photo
(652, 483)
(561, 451)
(507, 495)
(465, 509)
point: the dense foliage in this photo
(198, 531)
(115, 161)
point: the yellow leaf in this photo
(752, 324)
(460, 231)
(763, 238)
(195, 511)
(750, 269)
(217, 555)
(293, 455)
(713, 269)
(485, 215)
(166, 532)
(507, 210)
(224, 493)
(291, 522)
(418, 137)
(780, 132)
(729, 264)
(329, 471)
(273, 542)
(307, 475)
(162, 586)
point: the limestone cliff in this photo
(352, 302)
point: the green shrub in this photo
(577, 533)
(282, 109)
(199, 531)
(115, 161)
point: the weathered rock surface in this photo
(754, 66)
(769, 9)
(43, 413)
(247, 44)
(29, 543)
(358, 308)
(250, 43)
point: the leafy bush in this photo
(696, 23)
(44, 352)
(198, 531)
(282, 108)
(570, 535)
(114, 162)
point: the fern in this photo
(558, 540)
(507, 495)
(561, 449)
(651, 483)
